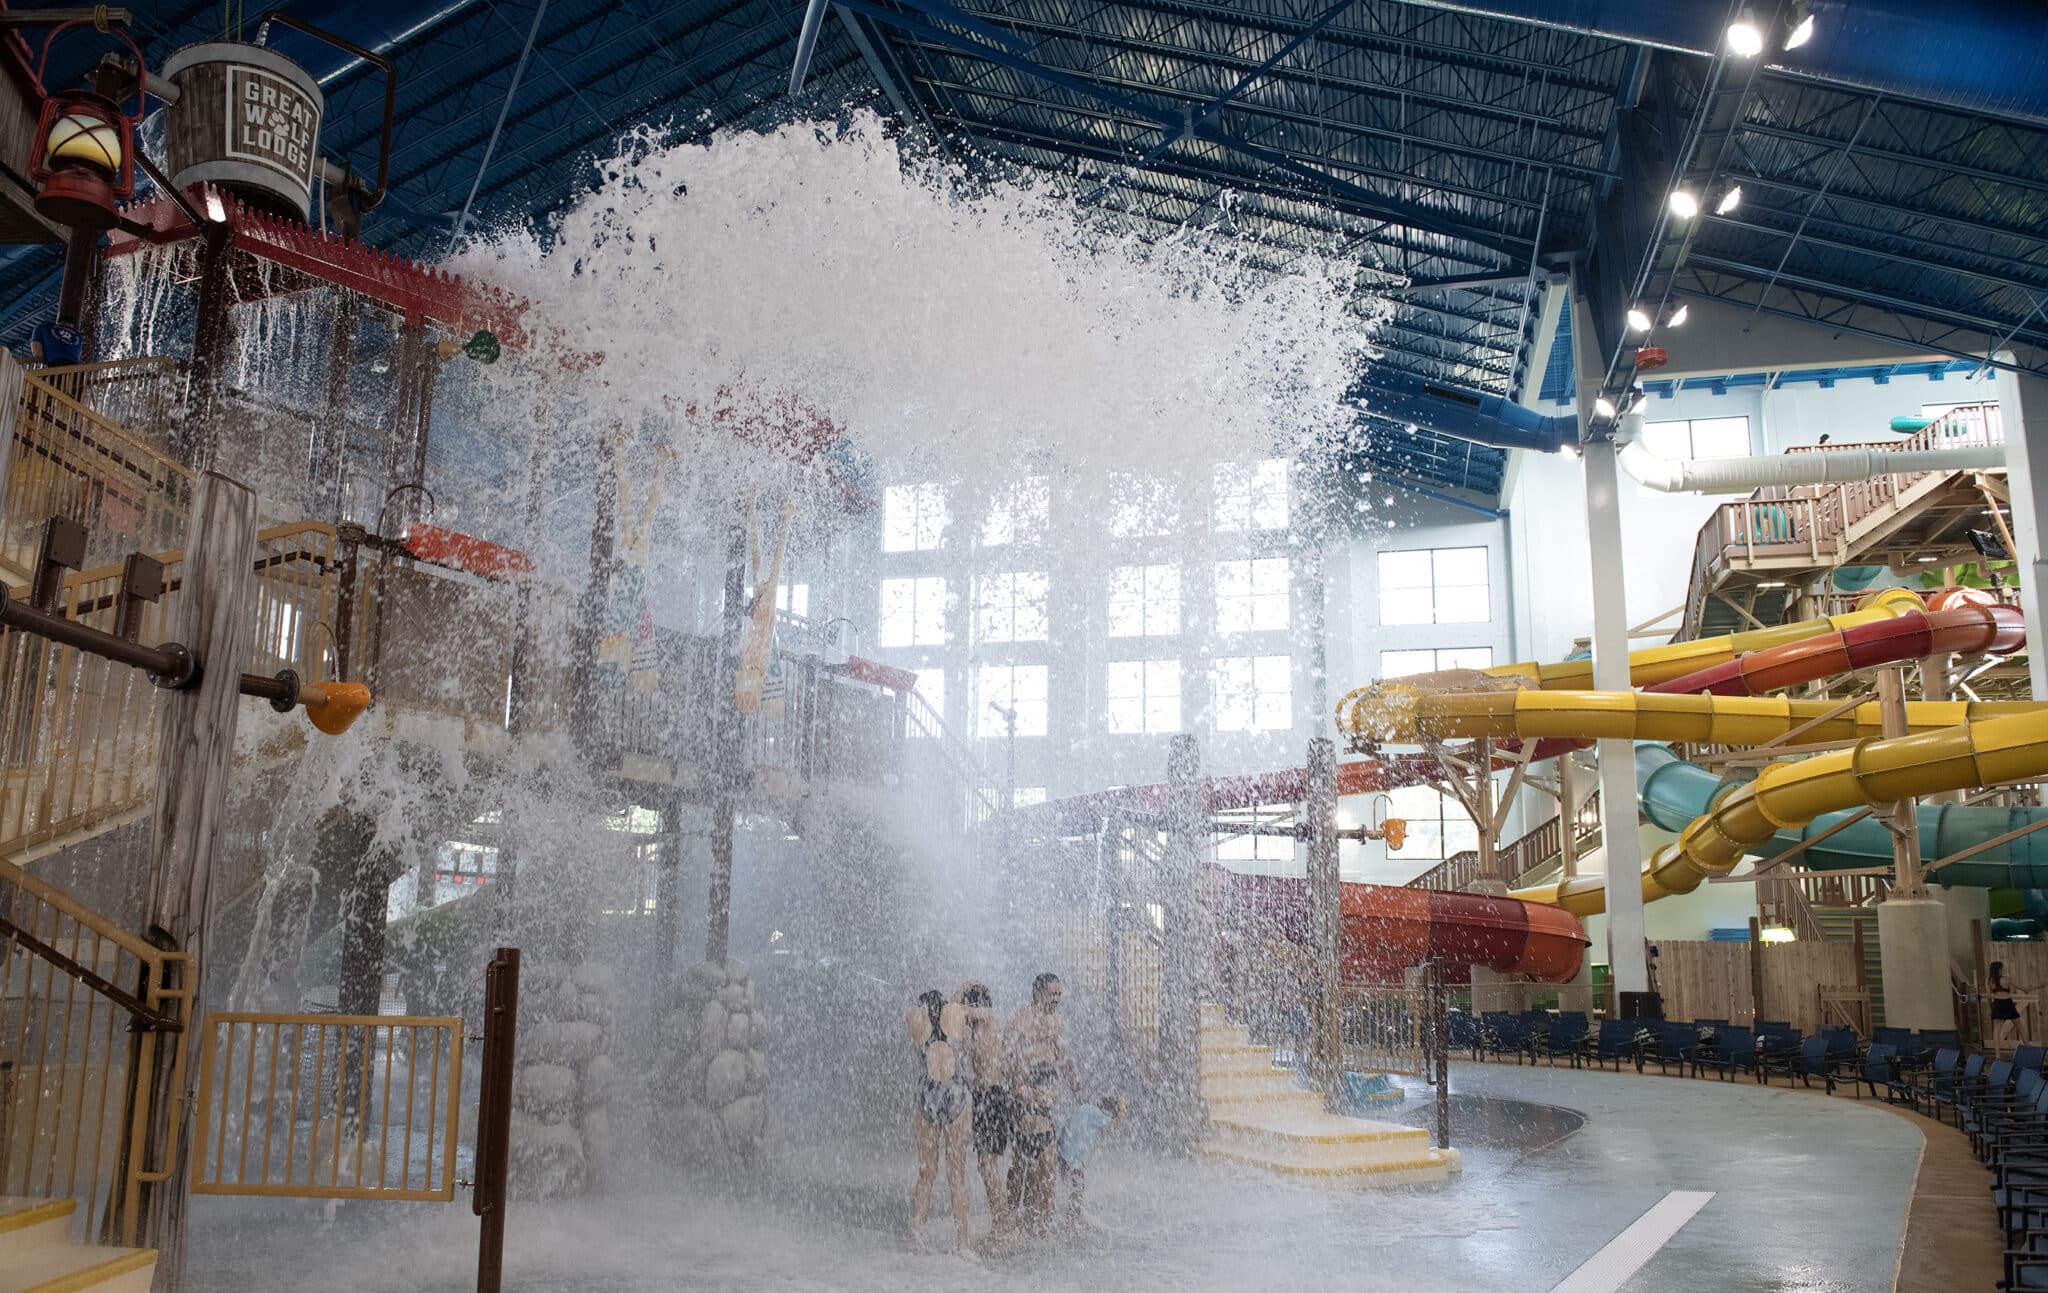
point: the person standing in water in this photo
(939, 1118)
(1035, 1052)
(994, 1118)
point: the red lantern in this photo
(84, 158)
(1648, 357)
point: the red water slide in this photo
(1388, 928)
(1962, 622)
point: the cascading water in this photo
(1002, 341)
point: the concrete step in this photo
(1257, 1082)
(1342, 1165)
(1285, 1128)
(1238, 1059)
(1236, 1106)
(28, 1225)
(80, 1269)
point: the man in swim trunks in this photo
(993, 1116)
(1035, 1051)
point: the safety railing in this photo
(1782, 902)
(71, 461)
(1817, 524)
(328, 1106)
(1385, 1028)
(88, 1012)
(138, 394)
(1519, 862)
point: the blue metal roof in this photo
(1462, 155)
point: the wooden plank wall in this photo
(1713, 980)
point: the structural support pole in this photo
(1187, 821)
(1627, 965)
(731, 776)
(1326, 1045)
(213, 337)
(2023, 408)
(195, 759)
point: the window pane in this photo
(1405, 606)
(1460, 567)
(913, 517)
(1140, 506)
(1399, 664)
(1144, 600)
(1005, 686)
(1720, 438)
(1465, 658)
(1404, 569)
(1017, 515)
(1162, 695)
(1462, 605)
(1668, 439)
(1251, 495)
(1025, 796)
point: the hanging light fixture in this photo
(1745, 38)
(1800, 20)
(1638, 320)
(1729, 200)
(1603, 407)
(1678, 316)
(1684, 204)
(83, 158)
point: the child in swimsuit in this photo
(1077, 1140)
(1033, 1137)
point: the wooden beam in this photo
(195, 762)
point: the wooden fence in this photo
(1720, 980)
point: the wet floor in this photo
(1809, 1194)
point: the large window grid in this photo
(1698, 438)
(1011, 607)
(1141, 506)
(1006, 686)
(913, 517)
(1144, 601)
(1258, 854)
(1143, 696)
(1399, 664)
(1251, 596)
(1017, 515)
(1254, 693)
(1438, 825)
(914, 612)
(1251, 495)
(1435, 586)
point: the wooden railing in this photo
(315, 1106)
(70, 460)
(1815, 523)
(1519, 862)
(88, 1012)
(139, 395)
(1782, 902)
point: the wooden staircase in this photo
(37, 1255)
(1260, 1115)
(1840, 923)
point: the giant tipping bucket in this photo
(247, 119)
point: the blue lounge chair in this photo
(1676, 1044)
(1615, 1042)
(1807, 1062)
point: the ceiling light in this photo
(1745, 38)
(1638, 320)
(1802, 27)
(1678, 316)
(1777, 934)
(1683, 204)
(1603, 407)
(1729, 200)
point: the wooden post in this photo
(494, 1115)
(1902, 816)
(10, 421)
(1180, 1008)
(1980, 975)
(1481, 807)
(195, 757)
(1326, 1043)
(668, 862)
(1756, 970)
(213, 336)
(585, 721)
(728, 735)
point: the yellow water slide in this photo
(1653, 665)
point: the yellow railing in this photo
(69, 460)
(87, 1013)
(137, 394)
(328, 1106)
(84, 751)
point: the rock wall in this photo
(562, 1081)
(710, 1087)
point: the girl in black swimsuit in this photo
(939, 1118)
(2005, 1012)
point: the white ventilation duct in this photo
(1827, 467)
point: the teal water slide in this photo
(1672, 792)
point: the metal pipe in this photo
(367, 56)
(1741, 475)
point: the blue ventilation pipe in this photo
(1981, 56)
(1483, 419)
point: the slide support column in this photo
(2023, 408)
(1628, 965)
